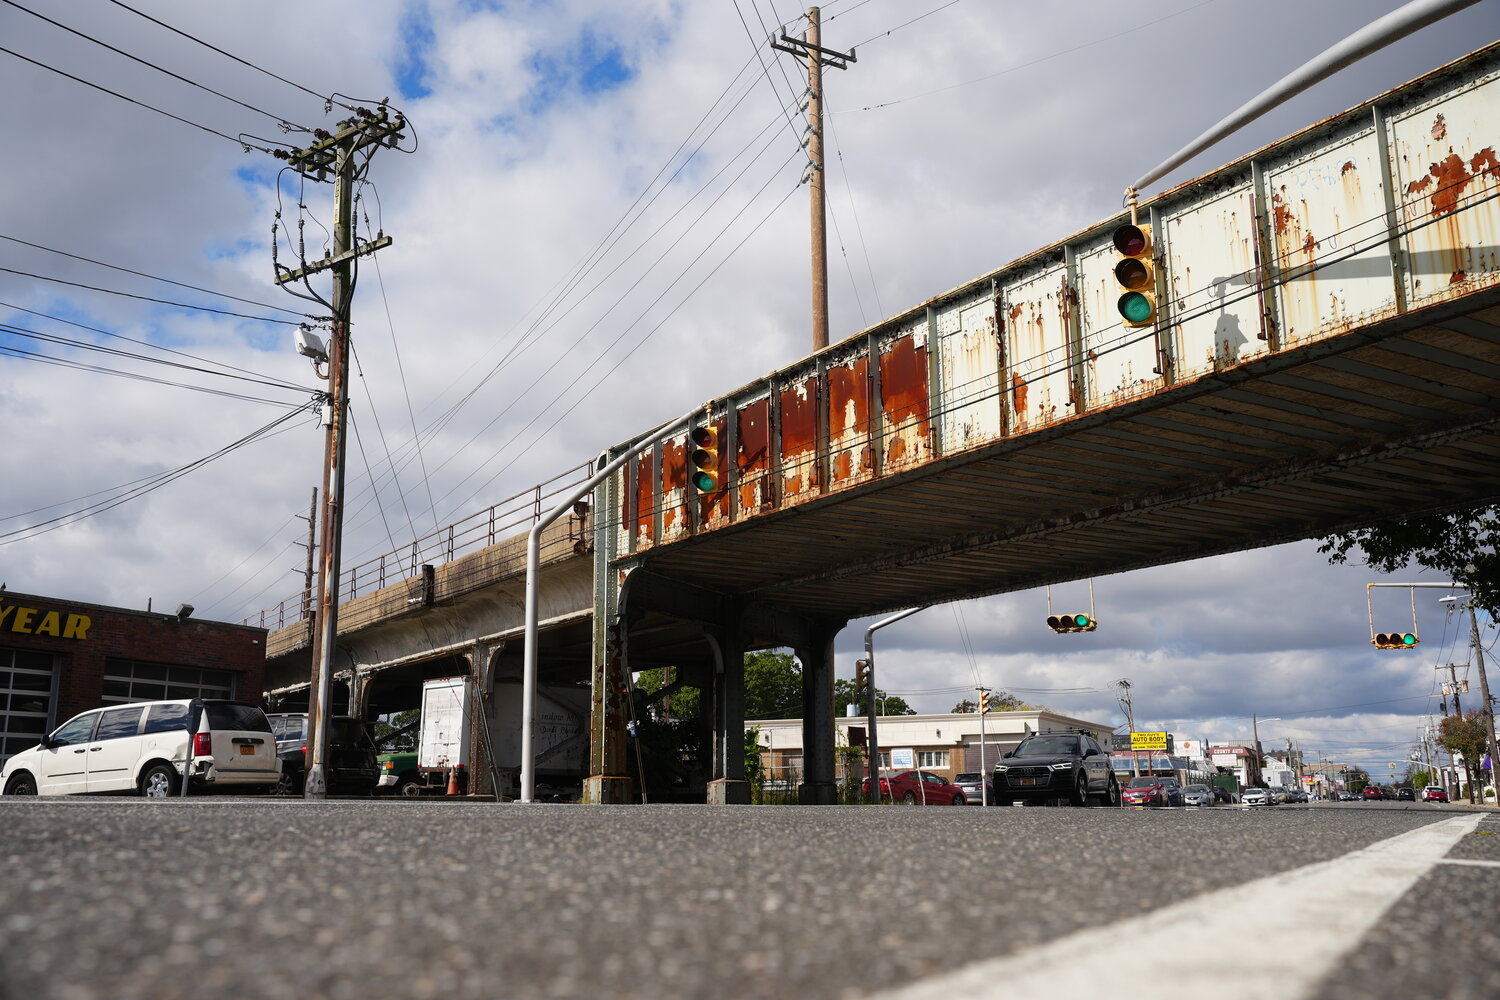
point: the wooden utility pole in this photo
(810, 47)
(335, 153)
(307, 572)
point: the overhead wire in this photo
(246, 146)
(151, 485)
(905, 24)
(520, 348)
(328, 99)
(286, 123)
(20, 331)
(148, 298)
(251, 375)
(50, 359)
(154, 277)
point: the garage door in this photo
(26, 699)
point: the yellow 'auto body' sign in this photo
(1148, 741)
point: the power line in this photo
(890, 31)
(246, 146)
(153, 484)
(85, 345)
(49, 359)
(153, 277)
(144, 343)
(286, 123)
(325, 98)
(147, 298)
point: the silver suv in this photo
(148, 748)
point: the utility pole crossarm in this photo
(364, 249)
(828, 57)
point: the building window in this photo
(134, 680)
(932, 758)
(885, 761)
(25, 698)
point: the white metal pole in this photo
(1376, 35)
(533, 568)
(874, 742)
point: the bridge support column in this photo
(728, 786)
(608, 780)
(818, 787)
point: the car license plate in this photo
(247, 750)
(1028, 781)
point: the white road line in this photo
(1471, 862)
(1310, 918)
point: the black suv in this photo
(350, 767)
(1048, 766)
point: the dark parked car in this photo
(1223, 794)
(1046, 766)
(918, 788)
(350, 768)
(1151, 791)
(977, 788)
(1405, 795)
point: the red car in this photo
(918, 788)
(1434, 793)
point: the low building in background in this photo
(61, 657)
(947, 745)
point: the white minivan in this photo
(148, 748)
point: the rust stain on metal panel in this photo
(645, 500)
(849, 420)
(1018, 389)
(904, 399)
(753, 455)
(713, 508)
(673, 489)
(799, 439)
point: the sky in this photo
(598, 221)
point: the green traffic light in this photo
(703, 481)
(1135, 307)
(1409, 639)
(1081, 621)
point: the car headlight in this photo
(1064, 766)
(999, 768)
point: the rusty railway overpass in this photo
(1326, 353)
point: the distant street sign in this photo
(1151, 741)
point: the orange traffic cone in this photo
(452, 781)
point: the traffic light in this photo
(1136, 275)
(984, 703)
(705, 459)
(861, 676)
(1071, 623)
(1395, 640)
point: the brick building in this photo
(59, 658)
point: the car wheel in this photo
(1112, 793)
(285, 785)
(159, 782)
(407, 787)
(1080, 796)
(910, 798)
(959, 800)
(21, 784)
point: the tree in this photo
(1464, 734)
(773, 686)
(1461, 545)
(1000, 701)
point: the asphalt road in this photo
(249, 898)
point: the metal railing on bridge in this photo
(508, 518)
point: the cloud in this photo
(539, 125)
